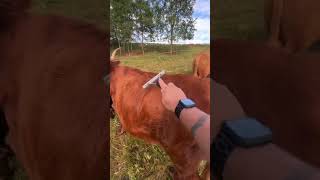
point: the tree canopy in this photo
(140, 20)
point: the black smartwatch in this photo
(245, 133)
(183, 103)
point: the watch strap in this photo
(222, 148)
(178, 109)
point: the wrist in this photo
(235, 134)
(187, 111)
(252, 157)
(171, 106)
(190, 116)
(183, 104)
(286, 166)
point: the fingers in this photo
(162, 84)
(170, 84)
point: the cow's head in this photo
(113, 61)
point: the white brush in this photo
(154, 80)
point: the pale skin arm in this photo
(189, 117)
(262, 162)
(171, 95)
(267, 162)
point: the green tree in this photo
(143, 21)
(174, 20)
(122, 23)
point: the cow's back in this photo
(294, 23)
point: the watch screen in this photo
(248, 131)
(187, 103)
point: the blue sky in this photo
(202, 14)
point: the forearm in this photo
(198, 123)
(267, 162)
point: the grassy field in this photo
(131, 158)
(239, 19)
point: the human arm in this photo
(193, 119)
(260, 162)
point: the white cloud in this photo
(202, 26)
(202, 33)
(203, 30)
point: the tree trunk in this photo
(125, 45)
(171, 40)
(171, 47)
(119, 44)
(128, 46)
(142, 43)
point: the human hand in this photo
(171, 95)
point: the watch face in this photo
(248, 132)
(187, 103)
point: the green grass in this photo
(239, 19)
(131, 158)
(155, 61)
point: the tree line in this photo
(135, 21)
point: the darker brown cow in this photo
(53, 95)
(201, 65)
(293, 24)
(277, 88)
(142, 114)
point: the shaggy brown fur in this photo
(53, 95)
(293, 24)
